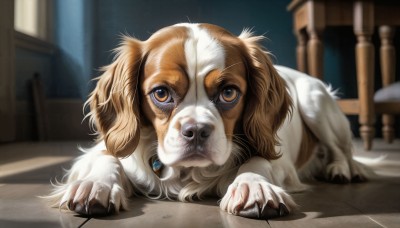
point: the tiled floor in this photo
(26, 168)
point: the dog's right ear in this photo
(268, 101)
(114, 103)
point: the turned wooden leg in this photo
(315, 54)
(301, 51)
(315, 27)
(388, 63)
(363, 28)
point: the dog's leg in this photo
(96, 186)
(254, 192)
(323, 116)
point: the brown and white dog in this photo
(196, 111)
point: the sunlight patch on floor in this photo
(29, 164)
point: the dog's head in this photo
(202, 89)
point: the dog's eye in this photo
(228, 95)
(162, 95)
(163, 98)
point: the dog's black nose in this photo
(196, 132)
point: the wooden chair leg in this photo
(301, 51)
(315, 29)
(388, 63)
(363, 28)
(315, 54)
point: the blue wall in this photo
(142, 17)
(74, 39)
(27, 63)
(87, 31)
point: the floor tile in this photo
(156, 213)
(20, 206)
(27, 168)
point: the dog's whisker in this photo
(232, 65)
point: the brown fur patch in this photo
(165, 65)
(308, 143)
(266, 103)
(114, 103)
(234, 75)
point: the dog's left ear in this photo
(267, 100)
(114, 103)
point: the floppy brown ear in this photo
(267, 100)
(114, 103)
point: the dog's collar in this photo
(156, 165)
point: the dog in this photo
(195, 111)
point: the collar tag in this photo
(156, 165)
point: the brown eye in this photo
(162, 95)
(228, 95)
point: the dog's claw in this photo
(97, 210)
(264, 213)
(251, 212)
(79, 208)
(282, 211)
(70, 205)
(111, 209)
(358, 179)
(94, 209)
(340, 179)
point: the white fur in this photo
(257, 183)
(203, 54)
(94, 178)
(260, 182)
(318, 109)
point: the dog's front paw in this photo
(251, 196)
(338, 172)
(93, 198)
(96, 186)
(343, 172)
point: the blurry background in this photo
(65, 42)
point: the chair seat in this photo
(388, 93)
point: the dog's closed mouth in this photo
(195, 156)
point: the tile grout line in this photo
(87, 220)
(365, 215)
(376, 222)
(269, 225)
(361, 212)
